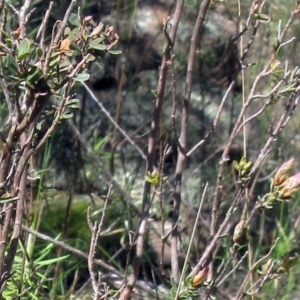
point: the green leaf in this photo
(154, 93)
(10, 199)
(115, 52)
(248, 165)
(97, 44)
(39, 52)
(82, 77)
(23, 49)
(73, 33)
(54, 60)
(8, 42)
(151, 180)
(67, 31)
(51, 261)
(279, 52)
(63, 64)
(97, 30)
(263, 18)
(39, 125)
(73, 103)
(274, 64)
(91, 58)
(74, 20)
(11, 63)
(34, 75)
(67, 115)
(235, 165)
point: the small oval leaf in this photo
(82, 77)
(74, 20)
(263, 18)
(67, 115)
(23, 49)
(115, 52)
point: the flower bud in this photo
(288, 260)
(290, 186)
(239, 232)
(266, 267)
(200, 277)
(255, 8)
(282, 173)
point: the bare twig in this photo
(96, 230)
(107, 114)
(254, 266)
(215, 122)
(223, 278)
(218, 187)
(12, 8)
(23, 17)
(215, 239)
(289, 110)
(102, 166)
(79, 253)
(151, 152)
(42, 30)
(191, 241)
(183, 139)
(64, 23)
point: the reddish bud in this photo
(266, 267)
(200, 277)
(255, 8)
(282, 174)
(290, 186)
(239, 232)
(16, 33)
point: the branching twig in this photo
(79, 253)
(42, 30)
(96, 230)
(223, 278)
(254, 266)
(191, 241)
(215, 122)
(151, 152)
(183, 139)
(64, 23)
(215, 239)
(290, 107)
(23, 17)
(107, 114)
(101, 165)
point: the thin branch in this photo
(64, 23)
(85, 145)
(254, 266)
(287, 25)
(107, 114)
(191, 241)
(23, 18)
(96, 230)
(215, 122)
(42, 29)
(215, 239)
(12, 8)
(79, 253)
(151, 153)
(289, 110)
(183, 139)
(233, 269)
(218, 186)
